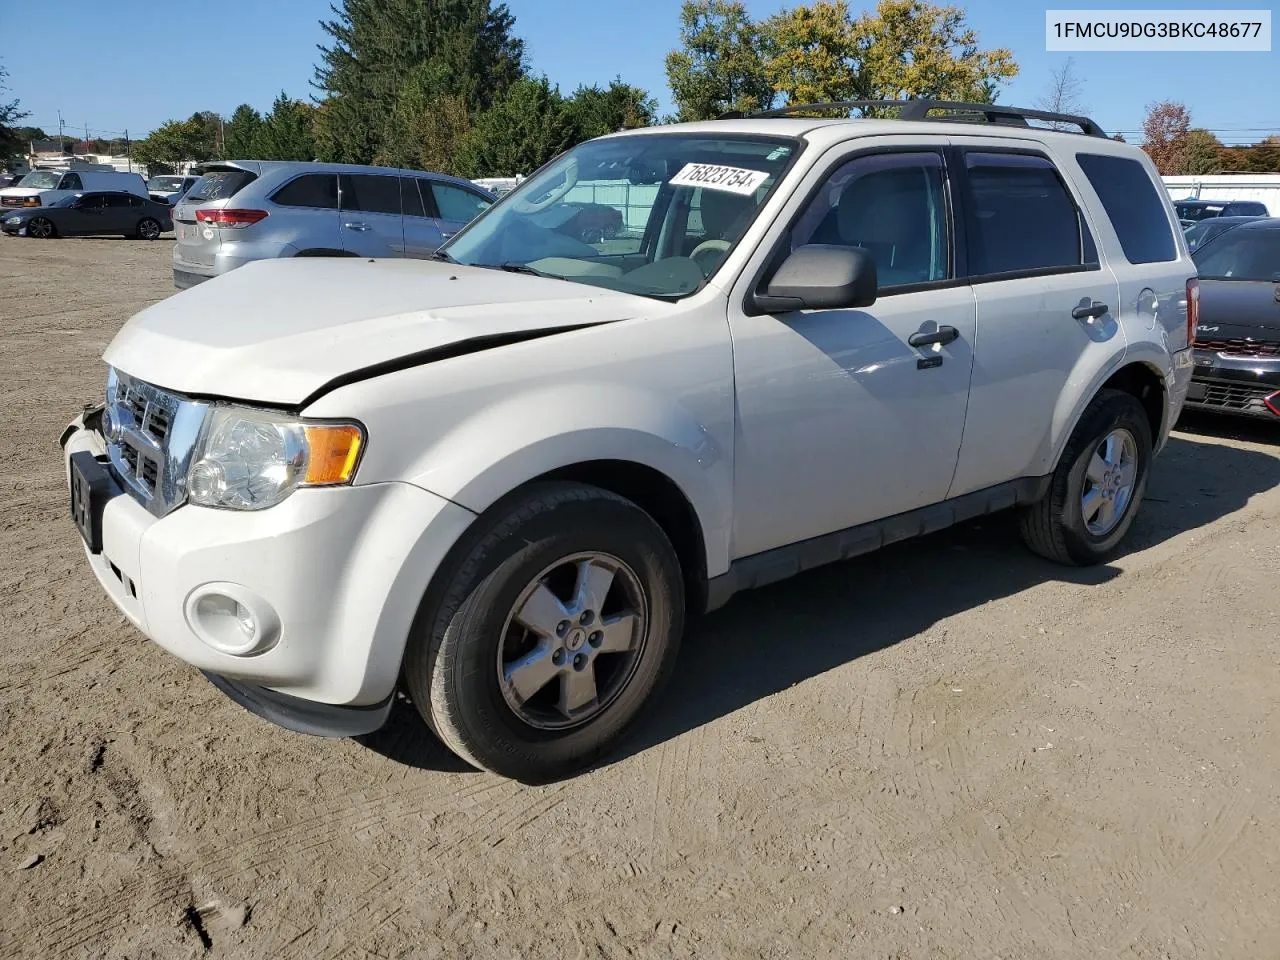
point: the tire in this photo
(41, 228)
(466, 631)
(148, 229)
(1056, 527)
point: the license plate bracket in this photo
(91, 488)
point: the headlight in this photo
(252, 459)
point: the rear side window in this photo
(1020, 217)
(219, 185)
(1133, 206)
(454, 203)
(371, 193)
(118, 200)
(410, 199)
(317, 190)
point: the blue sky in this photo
(110, 67)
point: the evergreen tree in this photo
(597, 111)
(285, 132)
(466, 46)
(529, 126)
(241, 133)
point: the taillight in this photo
(1273, 403)
(231, 218)
(1193, 309)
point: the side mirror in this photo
(820, 277)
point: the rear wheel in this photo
(556, 625)
(41, 228)
(1101, 478)
(148, 229)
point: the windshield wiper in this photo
(443, 255)
(513, 267)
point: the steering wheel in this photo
(525, 205)
(703, 250)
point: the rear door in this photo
(456, 206)
(1031, 261)
(120, 216)
(422, 233)
(371, 219)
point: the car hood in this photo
(1239, 309)
(277, 331)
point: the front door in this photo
(422, 234)
(840, 419)
(456, 206)
(88, 215)
(372, 223)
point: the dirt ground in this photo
(946, 750)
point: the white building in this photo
(1263, 187)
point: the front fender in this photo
(484, 455)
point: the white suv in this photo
(501, 481)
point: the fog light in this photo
(232, 620)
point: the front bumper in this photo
(342, 568)
(1245, 386)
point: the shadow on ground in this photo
(767, 640)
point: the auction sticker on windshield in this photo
(713, 177)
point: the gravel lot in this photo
(946, 750)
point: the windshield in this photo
(164, 184)
(42, 179)
(652, 214)
(1241, 255)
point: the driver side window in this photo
(893, 205)
(71, 181)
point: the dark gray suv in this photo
(247, 210)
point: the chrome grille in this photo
(151, 434)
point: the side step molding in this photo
(761, 569)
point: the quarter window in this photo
(1021, 217)
(1133, 206)
(892, 205)
(310, 190)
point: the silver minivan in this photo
(245, 210)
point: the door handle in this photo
(943, 335)
(356, 226)
(1090, 311)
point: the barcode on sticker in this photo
(713, 177)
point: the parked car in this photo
(506, 477)
(9, 179)
(40, 188)
(90, 214)
(1237, 341)
(168, 189)
(1202, 231)
(1193, 211)
(250, 210)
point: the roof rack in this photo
(921, 110)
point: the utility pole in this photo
(128, 150)
(61, 146)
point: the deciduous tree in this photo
(718, 67)
(1064, 93)
(1164, 134)
(599, 110)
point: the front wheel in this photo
(1101, 478)
(557, 622)
(41, 228)
(149, 229)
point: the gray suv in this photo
(247, 210)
